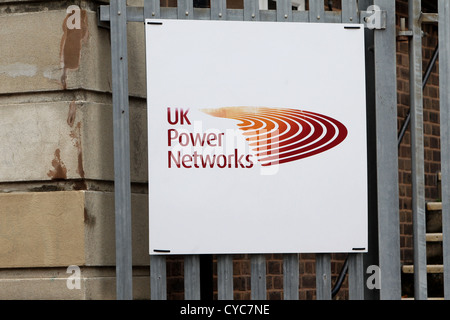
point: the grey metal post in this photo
(152, 9)
(219, 10)
(417, 152)
(387, 154)
(185, 9)
(284, 10)
(225, 277)
(350, 11)
(158, 278)
(122, 187)
(316, 11)
(290, 276)
(192, 277)
(258, 277)
(444, 91)
(355, 261)
(356, 282)
(158, 273)
(371, 257)
(251, 10)
(323, 276)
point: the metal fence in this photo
(379, 17)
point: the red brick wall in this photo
(431, 128)
(242, 277)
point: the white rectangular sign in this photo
(256, 137)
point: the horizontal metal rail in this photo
(136, 14)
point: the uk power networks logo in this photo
(274, 136)
(281, 135)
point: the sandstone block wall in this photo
(56, 157)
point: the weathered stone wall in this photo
(56, 157)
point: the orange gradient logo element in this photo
(281, 135)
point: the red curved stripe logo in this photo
(280, 135)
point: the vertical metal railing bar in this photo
(192, 277)
(284, 10)
(158, 274)
(158, 277)
(355, 261)
(152, 9)
(316, 11)
(251, 10)
(356, 276)
(387, 154)
(291, 278)
(323, 276)
(225, 277)
(219, 10)
(350, 11)
(258, 276)
(122, 182)
(371, 257)
(417, 152)
(185, 9)
(444, 91)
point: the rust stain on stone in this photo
(75, 134)
(71, 45)
(80, 169)
(72, 113)
(60, 171)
